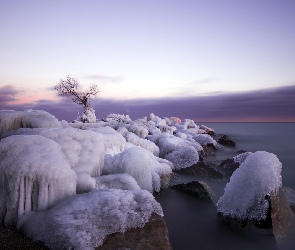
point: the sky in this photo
(229, 60)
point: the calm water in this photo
(193, 224)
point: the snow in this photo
(204, 139)
(116, 181)
(143, 166)
(118, 118)
(144, 143)
(244, 196)
(12, 120)
(140, 131)
(240, 158)
(84, 150)
(113, 141)
(82, 221)
(85, 183)
(34, 173)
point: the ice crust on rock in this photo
(35, 174)
(244, 196)
(83, 149)
(204, 139)
(12, 120)
(142, 165)
(82, 221)
(241, 157)
(113, 141)
(85, 183)
(116, 181)
(144, 143)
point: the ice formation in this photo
(35, 174)
(144, 143)
(84, 149)
(12, 120)
(142, 165)
(113, 141)
(85, 183)
(260, 175)
(116, 181)
(182, 153)
(118, 118)
(140, 131)
(240, 158)
(82, 221)
(204, 139)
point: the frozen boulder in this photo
(142, 165)
(83, 221)
(35, 174)
(204, 139)
(84, 150)
(244, 195)
(116, 181)
(12, 120)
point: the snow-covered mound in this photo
(84, 149)
(204, 139)
(241, 157)
(12, 120)
(142, 165)
(82, 221)
(244, 196)
(144, 143)
(35, 174)
(182, 153)
(113, 141)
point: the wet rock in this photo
(198, 189)
(154, 235)
(228, 166)
(203, 169)
(283, 220)
(290, 195)
(225, 141)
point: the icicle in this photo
(21, 198)
(28, 203)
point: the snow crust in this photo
(12, 120)
(83, 149)
(143, 166)
(82, 221)
(35, 174)
(204, 139)
(241, 157)
(116, 181)
(244, 195)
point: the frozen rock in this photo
(116, 181)
(257, 177)
(83, 221)
(12, 120)
(204, 139)
(84, 149)
(35, 174)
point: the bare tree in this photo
(70, 88)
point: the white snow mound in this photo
(34, 175)
(82, 221)
(244, 196)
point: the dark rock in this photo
(198, 189)
(283, 220)
(203, 169)
(228, 166)
(225, 141)
(154, 235)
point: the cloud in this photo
(105, 79)
(8, 94)
(205, 80)
(276, 104)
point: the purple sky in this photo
(207, 60)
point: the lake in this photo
(193, 224)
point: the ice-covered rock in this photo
(142, 165)
(85, 183)
(84, 149)
(113, 141)
(240, 158)
(204, 139)
(244, 197)
(34, 173)
(118, 118)
(83, 221)
(140, 131)
(12, 120)
(144, 143)
(116, 181)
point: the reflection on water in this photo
(193, 224)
